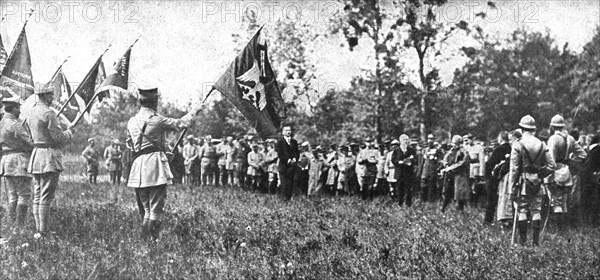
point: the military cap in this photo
(190, 137)
(395, 142)
(9, 100)
(344, 148)
(305, 144)
(90, 140)
(148, 94)
(353, 144)
(116, 142)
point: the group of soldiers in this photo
(515, 174)
(525, 169)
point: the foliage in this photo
(527, 74)
(225, 233)
(586, 83)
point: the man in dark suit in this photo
(403, 160)
(287, 150)
(494, 174)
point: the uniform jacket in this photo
(255, 163)
(271, 161)
(367, 159)
(47, 137)
(518, 159)
(565, 151)
(477, 160)
(113, 158)
(16, 146)
(500, 153)
(190, 152)
(457, 162)
(430, 161)
(152, 169)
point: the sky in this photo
(186, 45)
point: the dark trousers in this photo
(403, 190)
(428, 189)
(288, 180)
(447, 192)
(491, 200)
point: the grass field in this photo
(225, 233)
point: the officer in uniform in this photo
(150, 172)
(564, 150)
(91, 155)
(368, 159)
(208, 161)
(428, 168)
(476, 167)
(46, 158)
(16, 151)
(113, 155)
(190, 153)
(530, 162)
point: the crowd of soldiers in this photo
(515, 174)
(464, 171)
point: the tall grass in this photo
(226, 233)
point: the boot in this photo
(12, 206)
(522, 227)
(537, 228)
(21, 214)
(155, 227)
(145, 233)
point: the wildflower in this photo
(37, 235)
(248, 228)
(243, 244)
(24, 264)
(25, 245)
(170, 261)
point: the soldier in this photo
(390, 168)
(16, 151)
(404, 160)
(190, 153)
(476, 167)
(381, 184)
(230, 155)
(271, 162)
(564, 149)
(530, 161)
(127, 159)
(91, 155)
(256, 160)
(344, 160)
(46, 158)
(222, 161)
(208, 161)
(428, 169)
(242, 162)
(333, 171)
(177, 164)
(113, 155)
(456, 173)
(368, 158)
(315, 171)
(150, 172)
(496, 169)
(303, 167)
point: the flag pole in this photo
(12, 52)
(136, 40)
(87, 107)
(180, 138)
(75, 92)
(61, 65)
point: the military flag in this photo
(249, 83)
(87, 89)
(118, 80)
(74, 106)
(16, 73)
(3, 55)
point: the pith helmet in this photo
(557, 121)
(527, 122)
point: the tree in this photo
(586, 83)
(425, 34)
(526, 74)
